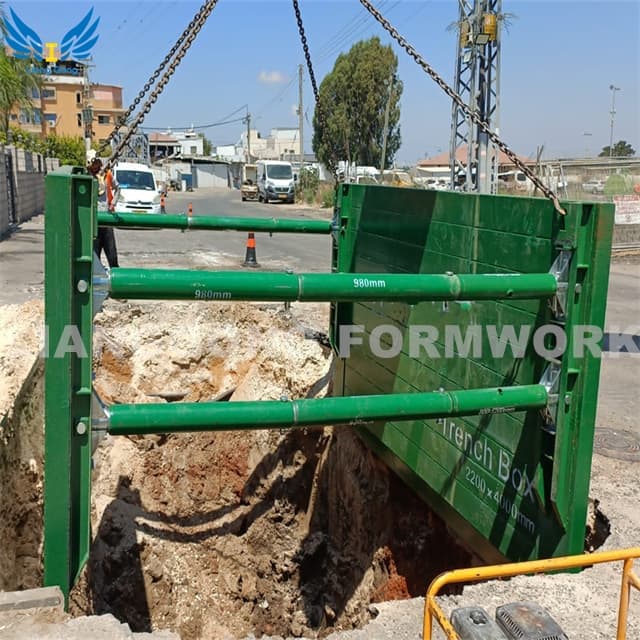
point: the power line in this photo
(345, 32)
(224, 120)
(233, 113)
(355, 31)
(356, 18)
(277, 97)
(193, 128)
(413, 14)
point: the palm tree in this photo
(16, 83)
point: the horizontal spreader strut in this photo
(272, 414)
(158, 284)
(221, 223)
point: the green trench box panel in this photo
(512, 484)
(69, 232)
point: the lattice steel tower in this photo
(477, 82)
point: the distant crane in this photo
(477, 82)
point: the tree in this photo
(348, 122)
(207, 147)
(16, 83)
(621, 149)
(68, 149)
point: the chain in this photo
(312, 76)
(473, 115)
(180, 49)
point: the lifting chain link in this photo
(473, 115)
(312, 76)
(179, 50)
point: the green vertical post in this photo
(69, 230)
(588, 235)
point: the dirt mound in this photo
(218, 535)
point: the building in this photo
(437, 170)
(59, 103)
(163, 145)
(229, 152)
(175, 143)
(281, 143)
(106, 101)
(441, 164)
(191, 143)
(258, 145)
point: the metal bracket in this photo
(100, 282)
(100, 417)
(550, 380)
(560, 271)
(336, 226)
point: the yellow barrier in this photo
(629, 579)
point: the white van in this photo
(137, 188)
(275, 181)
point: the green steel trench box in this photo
(509, 484)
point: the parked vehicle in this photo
(275, 181)
(439, 184)
(365, 180)
(593, 186)
(249, 187)
(515, 180)
(391, 177)
(138, 191)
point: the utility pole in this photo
(300, 118)
(248, 121)
(477, 82)
(385, 130)
(87, 110)
(613, 116)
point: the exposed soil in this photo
(228, 534)
(21, 446)
(218, 535)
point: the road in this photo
(226, 249)
(22, 257)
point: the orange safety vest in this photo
(108, 179)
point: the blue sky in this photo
(558, 60)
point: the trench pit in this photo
(221, 535)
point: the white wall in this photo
(210, 175)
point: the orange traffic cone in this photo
(190, 209)
(250, 256)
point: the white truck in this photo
(137, 188)
(275, 181)
(249, 186)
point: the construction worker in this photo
(105, 239)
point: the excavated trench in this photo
(222, 535)
(219, 535)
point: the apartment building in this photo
(63, 95)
